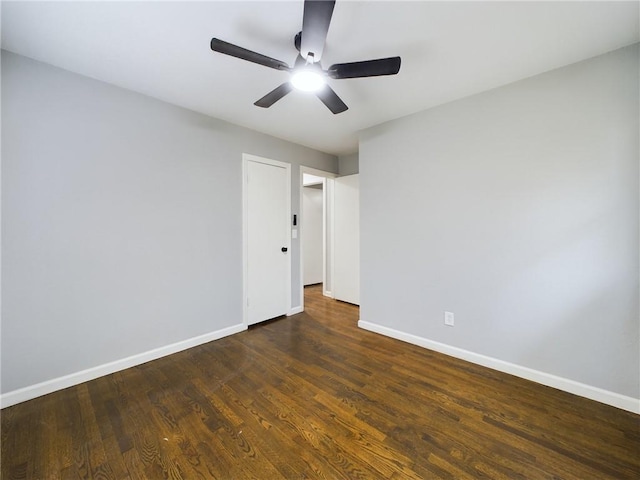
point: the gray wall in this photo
(348, 164)
(121, 221)
(516, 209)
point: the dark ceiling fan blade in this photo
(221, 46)
(331, 100)
(274, 95)
(315, 25)
(368, 68)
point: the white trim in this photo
(49, 386)
(247, 157)
(326, 269)
(295, 310)
(300, 242)
(245, 244)
(328, 243)
(594, 393)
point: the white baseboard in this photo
(295, 310)
(594, 393)
(49, 386)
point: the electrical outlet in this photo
(448, 318)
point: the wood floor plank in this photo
(313, 396)
(49, 460)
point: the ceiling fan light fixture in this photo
(308, 80)
(307, 74)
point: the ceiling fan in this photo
(307, 73)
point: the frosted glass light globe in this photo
(308, 80)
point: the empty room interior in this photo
(320, 239)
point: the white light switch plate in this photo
(448, 318)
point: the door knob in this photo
(284, 249)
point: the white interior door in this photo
(346, 263)
(268, 259)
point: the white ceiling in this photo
(449, 50)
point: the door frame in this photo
(327, 231)
(246, 158)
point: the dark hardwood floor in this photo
(313, 396)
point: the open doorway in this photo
(316, 243)
(313, 233)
